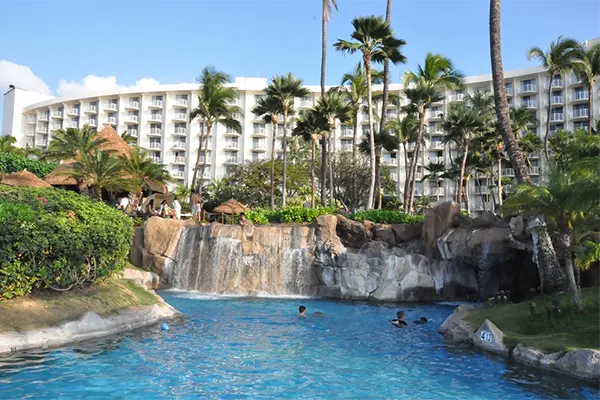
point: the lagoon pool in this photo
(237, 348)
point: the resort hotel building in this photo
(160, 120)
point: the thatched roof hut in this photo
(23, 179)
(231, 207)
(156, 187)
(58, 178)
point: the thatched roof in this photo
(23, 178)
(155, 186)
(58, 178)
(230, 207)
(113, 141)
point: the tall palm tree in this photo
(521, 119)
(139, 168)
(500, 100)
(7, 144)
(423, 88)
(354, 86)
(462, 124)
(74, 143)
(284, 89)
(587, 67)
(386, 72)
(270, 108)
(434, 173)
(328, 7)
(101, 169)
(310, 126)
(331, 107)
(559, 58)
(530, 143)
(214, 107)
(406, 129)
(375, 40)
(383, 140)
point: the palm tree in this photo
(500, 100)
(270, 108)
(182, 191)
(423, 88)
(386, 72)
(310, 126)
(587, 67)
(406, 130)
(74, 143)
(7, 144)
(435, 172)
(559, 58)
(139, 168)
(129, 139)
(101, 170)
(564, 201)
(462, 124)
(214, 107)
(375, 40)
(331, 107)
(354, 86)
(530, 143)
(521, 119)
(284, 89)
(328, 6)
(383, 140)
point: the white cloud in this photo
(22, 77)
(93, 83)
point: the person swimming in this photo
(302, 312)
(421, 321)
(399, 322)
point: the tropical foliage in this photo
(14, 162)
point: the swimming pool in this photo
(259, 349)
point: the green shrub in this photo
(10, 162)
(51, 238)
(386, 217)
(287, 215)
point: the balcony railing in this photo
(557, 117)
(154, 145)
(529, 87)
(259, 131)
(581, 113)
(156, 103)
(534, 170)
(390, 161)
(132, 118)
(231, 160)
(529, 103)
(91, 109)
(181, 131)
(258, 146)
(155, 131)
(111, 120)
(508, 172)
(30, 132)
(457, 97)
(156, 117)
(180, 159)
(437, 144)
(436, 160)
(42, 129)
(178, 174)
(42, 143)
(434, 191)
(155, 160)
(509, 90)
(30, 119)
(556, 83)
(92, 122)
(581, 95)
(180, 116)
(181, 102)
(73, 111)
(134, 104)
(558, 99)
(481, 189)
(232, 145)
(57, 114)
(435, 114)
(132, 132)
(347, 132)
(111, 107)
(179, 145)
(575, 80)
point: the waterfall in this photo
(483, 266)
(224, 259)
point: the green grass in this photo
(50, 308)
(567, 332)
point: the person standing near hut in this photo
(177, 208)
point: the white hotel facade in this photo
(160, 119)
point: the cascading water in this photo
(264, 260)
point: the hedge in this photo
(51, 238)
(386, 217)
(261, 216)
(10, 162)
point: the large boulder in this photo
(351, 233)
(583, 364)
(517, 228)
(147, 279)
(486, 219)
(438, 220)
(161, 235)
(384, 233)
(407, 232)
(455, 329)
(534, 357)
(488, 337)
(136, 256)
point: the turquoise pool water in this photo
(259, 349)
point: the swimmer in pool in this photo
(400, 322)
(421, 321)
(302, 312)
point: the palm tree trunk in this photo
(354, 149)
(284, 144)
(467, 198)
(501, 103)
(367, 62)
(406, 177)
(386, 73)
(198, 157)
(461, 181)
(331, 133)
(500, 181)
(378, 176)
(274, 135)
(413, 168)
(312, 172)
(591, 104)
(547, 134)
(565, 242)
(481, 194)
(323, 169)
(323, 44)
(203, 167)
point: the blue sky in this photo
(172, 41)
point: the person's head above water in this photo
(423, 320)
(302, 310)
(400, 315)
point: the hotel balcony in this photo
(156, 104)
(42, 129)
(347, 134)
(133, 132)
(556, 83)
(31, 119)
(57, 114)
(43, 143)
(534, 171)
(155, 118)
(55, 127)
(436, 160)
(260, 147)
(560, 100)
(528, 88)
(508, 90)
(456, 97)
(205, 161)
(133, 119)
(180, 132)
(306, 103)
(179, 160)
(73, 112)
(179, 146)
(43, 117)
(111, 121)
(91, 110)
(133, 105)
(178, 174)
(155, 160)
(434, 191)
(155, 132)
(580, 114)
(231, 161)
(92, 122)
(557, 117)
(180, 103)
(575, 81)
(529, 104)
(392, 162)
(30, 132)
(111, 107)
(155, 146)
(180, 117)
(582, 96)
(436, 145)
(508, 172)
(435, 114)
(234, 146)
